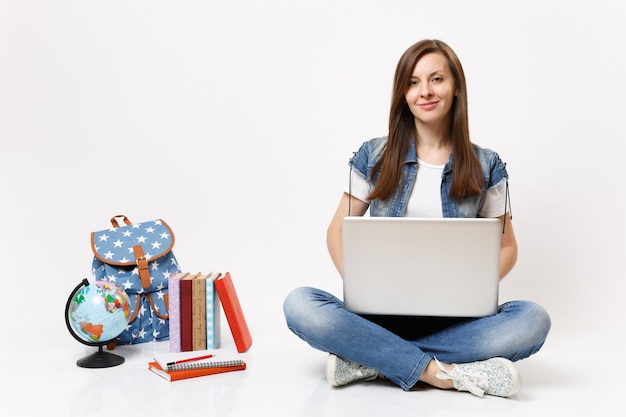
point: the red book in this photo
(193, 371)
(234, 314)
(186, 313)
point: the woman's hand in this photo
(508, 247)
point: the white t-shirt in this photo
(428, 187)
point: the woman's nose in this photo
(425, 90)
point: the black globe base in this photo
(100, 359)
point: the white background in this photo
(234, 121)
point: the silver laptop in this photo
(443, 267)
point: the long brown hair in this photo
(467, 175)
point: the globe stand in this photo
(100, 359)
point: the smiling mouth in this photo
(428, 105)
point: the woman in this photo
(426, 167)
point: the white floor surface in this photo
(286, 378)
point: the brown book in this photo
(198, 312)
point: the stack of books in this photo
(195, 304)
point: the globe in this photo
(96, 314)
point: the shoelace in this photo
(470, 381)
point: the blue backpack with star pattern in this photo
(138, 257)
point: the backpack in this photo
(138, 257)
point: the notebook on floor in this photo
(444, 267)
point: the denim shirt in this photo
(363, 161)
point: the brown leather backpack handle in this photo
(115, 223)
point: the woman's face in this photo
(431, 89)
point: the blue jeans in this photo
(516, 331)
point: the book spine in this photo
(234, 313)
(213, 331)
(186, 328)
(173, 284)
(198, 312)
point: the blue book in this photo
(213, 330)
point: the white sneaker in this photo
(495, 376)
(340, 371)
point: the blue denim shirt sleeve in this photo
(494, 169)
(365, 158)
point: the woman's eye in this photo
(437, 79)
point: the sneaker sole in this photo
(331, 365)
